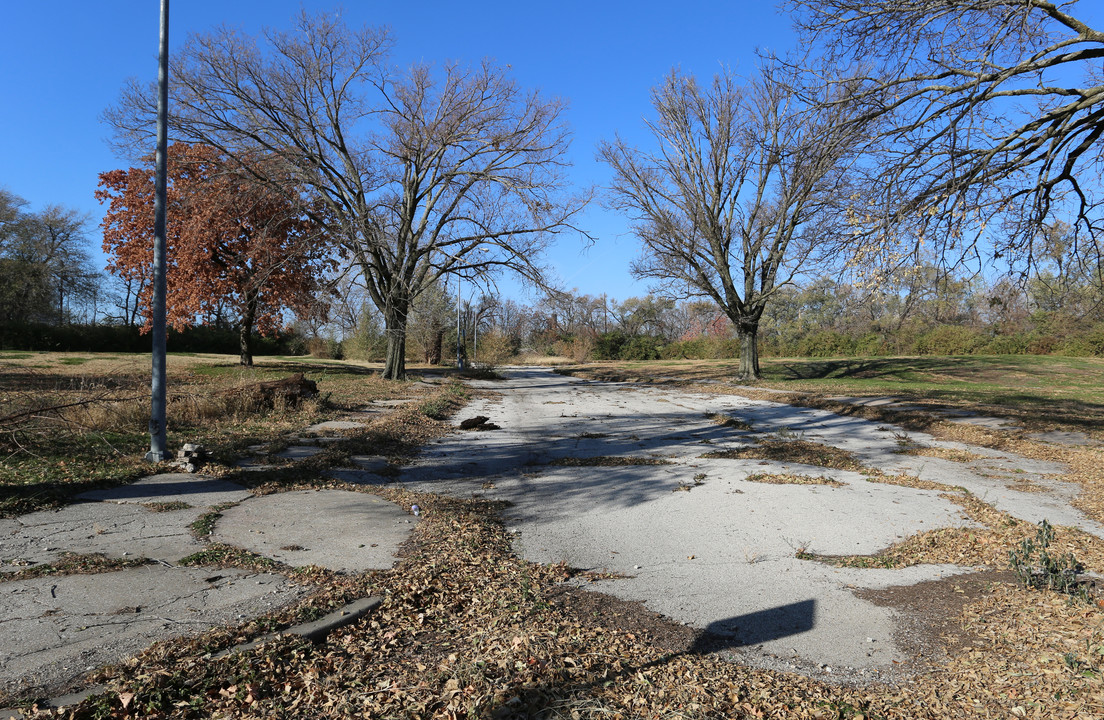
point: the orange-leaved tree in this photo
(232, 243)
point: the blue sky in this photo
(63, 62)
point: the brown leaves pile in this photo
(795, 451)
(790, 479)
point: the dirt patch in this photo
(931, 627)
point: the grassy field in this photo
(72, 422)
(1039, 390)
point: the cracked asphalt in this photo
(55, 628)
(694, 539)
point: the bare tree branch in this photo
(994, 109)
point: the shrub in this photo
(826, 343)
(950, 340)
(325, 348)
(1088, 345)
(608, 345)
(703, 348)
(642, 347)
(496, 349)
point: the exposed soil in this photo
(930, 627)
(629, 616)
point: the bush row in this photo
(128, 339)
(939, 340)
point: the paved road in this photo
(721, 555)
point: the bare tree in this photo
(420, 174)
(994, 110)
(46, 272)
(744, 191)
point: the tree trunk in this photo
(245, 332)
(436, 342)
(748, 332)
(394, 318)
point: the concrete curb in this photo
(315, 631)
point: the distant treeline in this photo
(129, 339)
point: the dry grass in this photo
(729, 421)
(958, 456)
(905, 480)
(789, 479)
(72, 423)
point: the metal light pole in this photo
(459, 357)
(157, 451)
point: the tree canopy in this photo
(231, 242)
(45, 267)
(994, 115)
(745, 188)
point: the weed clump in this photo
(1036, 567)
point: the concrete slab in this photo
(991, 423)
(299, 452)
(310, 441)
(371, 463)
(356, 476)
(336, 529)
(865, 401)
(254, 466)
(201, 491)
(54, 629)
(333, 426)
(1058, 437)
(115, 530)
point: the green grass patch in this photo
(1035, 389)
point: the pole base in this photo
(157, 456)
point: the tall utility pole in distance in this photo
(157, 451)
